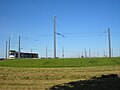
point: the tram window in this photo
(12, 53)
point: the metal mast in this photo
(89, 53)
(6, 50)
(46, 51)
(9, 47)
(63, 52)
(103, 53)
(112, 52)
(85, 53)
(97, 54)
(19, 48)
(109, 43)
(54, 36)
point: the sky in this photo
(84, 23)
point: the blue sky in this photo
(82, 22)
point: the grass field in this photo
(43, 74)
(58, 63)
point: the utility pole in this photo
(79, 54)
(103, 53)
(85, 53)
(46, 51)
(93, 55)
(9, 47)
(63, 52)
(19, 48)
(31, 50)
(54, 36)
(97, 54)
(6, 50)
(109, 43)
(82, 55)
(89, 53)
(112, 52)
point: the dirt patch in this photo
(105, 82)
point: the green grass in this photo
(58, 63)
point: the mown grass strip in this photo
(58, 63)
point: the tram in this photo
(14, 54)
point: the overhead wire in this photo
(67, 35)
